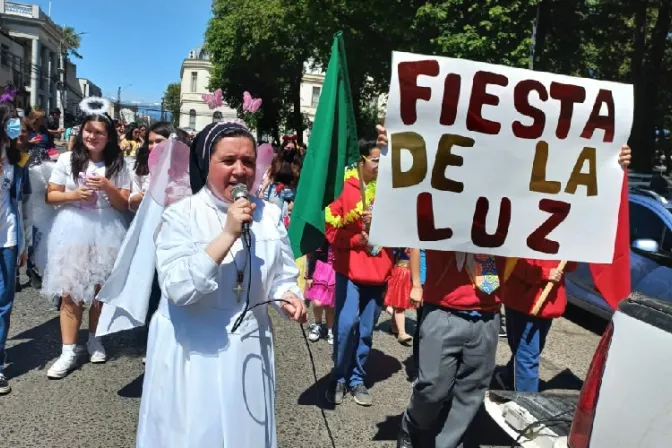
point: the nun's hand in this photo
(239, 212)
(294, 308)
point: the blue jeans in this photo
(527, 337)
(8, 258)
(357, 310)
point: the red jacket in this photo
(449, 287)
(527, 282)
(343, 228)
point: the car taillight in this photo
(582, 426)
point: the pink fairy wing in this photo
(219, 97)
(169, 171)
(264, 159)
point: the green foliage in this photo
(171, 99)
(71, 42)
(262, 45)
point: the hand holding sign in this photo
(503, 161)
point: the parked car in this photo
(624, 401)
(650, 256)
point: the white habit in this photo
(204, 386)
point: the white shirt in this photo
(62, 175)
(140, 184)
(7, 218)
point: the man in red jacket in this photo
(526, 332)
(361, 275)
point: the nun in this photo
(210, 374)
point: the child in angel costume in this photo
(90, 185)
(206, 383)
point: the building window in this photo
(192, 119)
(316, 97)
(217, 116)
(194, 81)
(4, 55)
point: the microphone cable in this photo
(247, 243)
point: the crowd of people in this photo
(210, 378)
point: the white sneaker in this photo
(96, 351)
(330, 337)
(315, 332)
(63, 365)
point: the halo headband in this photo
(95, 105)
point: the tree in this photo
(250, 51)
(71, 42)
(171, 99)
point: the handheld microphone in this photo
(239, 191)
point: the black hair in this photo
(365, 147)
(7, 112)
(163, 128)
(112, 153)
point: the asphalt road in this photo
(97, 405)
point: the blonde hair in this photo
(35, 118)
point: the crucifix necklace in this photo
(238, 290)
(240, 277)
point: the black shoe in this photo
(404, 440)
(5, 388)
(335, 393)
(502, 327)
(35, 280)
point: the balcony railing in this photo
(18, 9)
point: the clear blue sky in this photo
(137, 42)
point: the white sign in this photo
(497, 160)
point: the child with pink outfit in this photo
(320, 290)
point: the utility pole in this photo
(61, 74)
(117, 110)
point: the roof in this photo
(199, 53)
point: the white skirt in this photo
(82, 246)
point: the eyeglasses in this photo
(372, 160)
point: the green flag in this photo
(332, 146)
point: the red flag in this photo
(613, 280)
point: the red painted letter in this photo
(451, 97)
(537, 239)
(521, 96)
(568, 94)
(426, 229)
(597, 121)
(480, 98)
(409, 90)
(479, 235)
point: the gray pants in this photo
(457, 359)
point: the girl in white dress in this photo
(90, 185)
(207, 385)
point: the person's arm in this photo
(71, 142)
(284, 283)
(187, 271)
(414, 263)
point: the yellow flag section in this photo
(354, 214)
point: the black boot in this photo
(404, 440)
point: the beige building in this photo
(195, 77)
